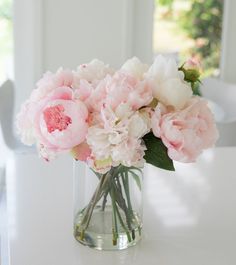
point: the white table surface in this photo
(189, 215)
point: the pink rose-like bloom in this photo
(185, 132)
(92, 72)
(93, 95)
(51, 81)
(45, 86)
(58, 122)
(124, 88)
(114, 90)
(97, 97)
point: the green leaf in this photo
(156, 153)
(196, 89)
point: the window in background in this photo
(189, 28)
(6, 60)
(6, 40)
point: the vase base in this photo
(98, 234)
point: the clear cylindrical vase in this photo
(107, 207)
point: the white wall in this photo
(54, 33)
(228, 55)
(27, 46)
(76, 31)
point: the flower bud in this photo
(192, 70)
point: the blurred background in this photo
(182, 28)
(190, 29)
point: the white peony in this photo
(138, 126)
(118, 136)
(123, 110)
(135, 68)
(94, 71)
(168, 83)
(129, 153)
(98, 140)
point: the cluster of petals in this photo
(117, 138)
(187, 132)
(101, 115)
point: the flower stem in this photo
(122, 203)
(122, 223)
(95, 198)
(104, 200)
(116, 184)
(125, 180)
(114, 218)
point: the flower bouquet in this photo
(115, 122)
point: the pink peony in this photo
(185, 132)
(58, 121)
(45, 86)
(124, 88)
(50, 81)
(91, 72)
(97, 97)
(115, 90)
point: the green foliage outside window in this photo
(164, 2)
(6, 10)
(203, 23)
(5, 28)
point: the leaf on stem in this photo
(156, 153)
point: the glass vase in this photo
(107, 207)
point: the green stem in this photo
(104, 200)
(127, 192)
(122, 223)
(111, 183)
(96, 197)
(114, 218)
(125, 180)
(122, 203)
